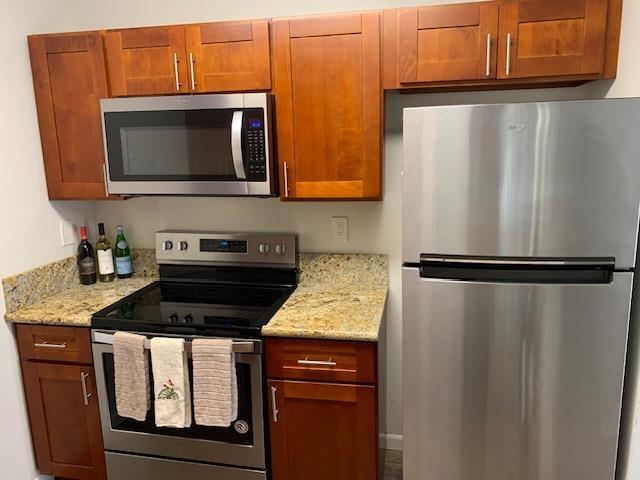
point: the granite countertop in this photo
(340, 297)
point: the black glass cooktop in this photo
(231, 310)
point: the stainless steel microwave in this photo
(189, 145)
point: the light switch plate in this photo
(67, 236)
(340, 226)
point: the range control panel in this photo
(269, 249)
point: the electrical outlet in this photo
(66, 233)
(340, 229)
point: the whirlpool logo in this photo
(518, 127)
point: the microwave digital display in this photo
(255, 123)
(223, 246)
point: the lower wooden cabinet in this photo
(63, 414)
(324, 429)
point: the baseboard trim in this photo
(391, 441)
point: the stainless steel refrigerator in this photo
(520, 228)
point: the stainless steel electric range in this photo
(211, 285)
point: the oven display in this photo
(225, 246)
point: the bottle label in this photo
(87, 266)
(123, 265)
(105, 261)
(122, 244)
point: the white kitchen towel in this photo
(131, 364)
(171, 382)
(215, 386)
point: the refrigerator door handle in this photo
(520, 261)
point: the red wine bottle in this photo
(86, 259)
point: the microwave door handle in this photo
(236, 145)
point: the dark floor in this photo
(390, 465)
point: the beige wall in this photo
(29, 231)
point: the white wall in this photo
(29, 221)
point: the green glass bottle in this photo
(124, 267)
(105, 256)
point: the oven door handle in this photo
(238, 346)
(236, 145)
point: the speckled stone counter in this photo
(51, 294)
(340, 297)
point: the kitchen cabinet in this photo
(505, 44)
(62, 401)
(329, 106)
(550, 38)
(182, 59)
(323, 409)
(69, 79)
(447, 42)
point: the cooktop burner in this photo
(198, 309)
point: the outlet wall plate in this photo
(340, 229)
(67, 236)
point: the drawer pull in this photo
(326, 363)
(46, 344)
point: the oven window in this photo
(221, 434)
(170, 145)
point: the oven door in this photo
(190, 145)
(241, 444)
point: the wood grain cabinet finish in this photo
(69, 79)
(447, 42)
(60, 390)
(329, 106)
(550, 38)
(229, 56)
(147, 61)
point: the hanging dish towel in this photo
(131, 364)
(215, 386)
(170, 382)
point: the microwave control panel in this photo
(255, 145)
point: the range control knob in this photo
(183, 245)
(188, 318)
(173, 318)
(264, 248)
(167, 245)
(281, 249)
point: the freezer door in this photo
(512, 381)
(523, 180)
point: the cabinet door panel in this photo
(447, 42)
(147, 61)
(328, 98)
(323, 431)
(229, 56)
(549, 38)
(66, 433)
(69, 79)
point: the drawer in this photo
(322, 360)
(57, 344)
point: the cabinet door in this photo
(229, 56)
(65, 421)
(447, 42)
(323, 431)
(147, 61)
(550, 38)
(328, 101)
(69, 79)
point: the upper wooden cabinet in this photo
(447, 42)
(502, 43)
(69, 79)
(328, 105)
(213, 57)
(550, 38)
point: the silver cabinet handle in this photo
(192, 67)
(507, 68)
(488, 72)
(236, 145)
(175, 69)
(286, 180)
(274, 405)
(85, 395)
(46, 344)
(328, 363)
